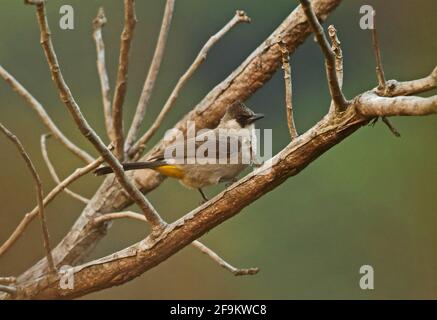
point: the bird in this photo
(215, 156)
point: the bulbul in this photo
(212, 157)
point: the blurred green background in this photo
(370, 200)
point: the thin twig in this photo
(47, 121)
(8, 289)
(382, 83)
(151, 76)
(86, 130)
(379, 69)
(39, 193)
(50, 196)
(138, 147)
(8, 280)
(197, 244)
(334, 85)
(336, 48)
(288, 91)
(53, 171)
(390, 126)
(214, 256)
(121, 84)
(98, 23)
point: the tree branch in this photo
(152, 74)
(403, 88)
(288, 91)
(379, 69)
(121, 84)
(52, 170)
(8, 289)
(46, 120)
(197, 244)
(39, 193)
(334, 84)
(98, 23)
(372, 105)
(138, 147)
(68, 99)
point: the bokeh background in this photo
(370, 200)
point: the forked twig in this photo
(39, 193)
(138, 147)
(152, 74)
(52, 170)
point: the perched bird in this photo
(209, 158)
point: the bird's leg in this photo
(205, 199)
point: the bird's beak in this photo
(255, 117)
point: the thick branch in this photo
(98, 23)
(197, 244)
(372, 105)
(52, 170)
(334, 85)
(68, 99)
(47, 121)
(149, 84)
(240, 16)
(39, 193)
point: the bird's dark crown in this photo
(241, 113)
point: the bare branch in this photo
(197, 244)
(152, 74)
(334, 85)
(69, 101)
(47, 121)
(404, 88)
(288, 91)
(372, 105)
(52, 170)
(8, 289)
(391, 127)
(379, 69)
(121, 84)
(98, 23)
(50, 196)
(336, 48)
(214, 256)
(138, 147)
(8, 280)
(39, 193)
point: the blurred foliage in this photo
(370, 200)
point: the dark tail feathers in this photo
(129, 166)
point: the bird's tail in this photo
(130, 166)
